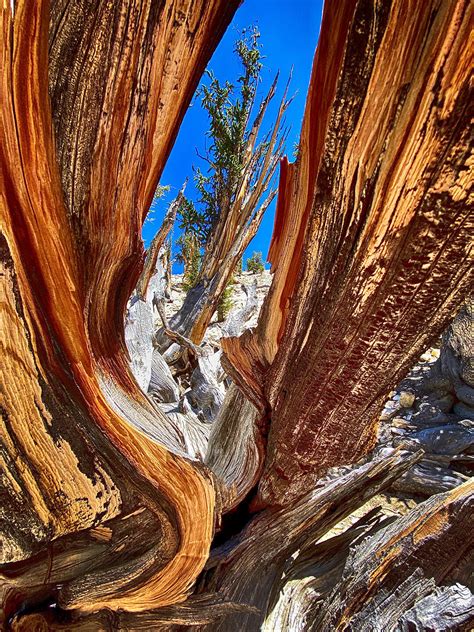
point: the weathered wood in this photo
(139, 332)
(140, 317)
(162, 387)
(312, 573)
(157, 243)
(246, 568)
(394, 557)
(207, 391)
(370, 249)
(447, 608)
(237, 320)
(195, 433)
(427, 478)
(388, 574)
(235, 447)
(72, 206)
(184, 342)
(139, 63)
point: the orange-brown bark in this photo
(73, 201)
(371, 247)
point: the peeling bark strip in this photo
(74, 468)
(370, 250)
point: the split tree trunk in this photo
(370, 260)
(371, 247)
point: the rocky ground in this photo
(415, 418)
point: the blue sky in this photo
(289, 33)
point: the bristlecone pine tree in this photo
(106, 522)
(237, 186)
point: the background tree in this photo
(190, 256)
(226, 303)
(237, 186)
(255, 263)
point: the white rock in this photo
(407, 399)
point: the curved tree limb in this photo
(71, 253)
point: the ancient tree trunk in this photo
(104, 515)
(370, 250)
(79, 168)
